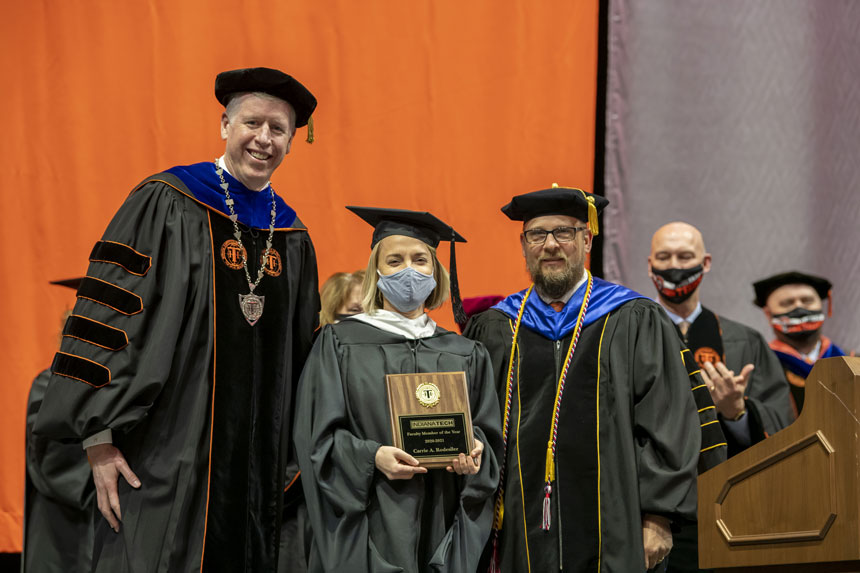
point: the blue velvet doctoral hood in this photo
(253, 207)
(540, 317)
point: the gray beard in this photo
(555, 285)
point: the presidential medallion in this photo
(252, 307)
(428, 394)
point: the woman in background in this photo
(340, 297)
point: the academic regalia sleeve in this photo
(666, 430)
(492, 329)
(471, 527)
(119, 343)
(713, 451)
(58, 471)
(768, 394)
(304, 325)
(337, 466)
(307, 316)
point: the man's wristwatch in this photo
(740, 415)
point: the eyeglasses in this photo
(560, 234)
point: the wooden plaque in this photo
(430, 416)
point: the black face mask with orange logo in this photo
(677, 285)
(799, 323)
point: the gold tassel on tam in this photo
(310, 138)
(592, 213)
(592, 210)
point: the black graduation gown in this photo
(59, 499)
(628, 439)
(361, 520)
(199, 401)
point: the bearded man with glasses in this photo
(601, 428)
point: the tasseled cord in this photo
(547, 517)
(549, 477)
(498, 516)
(456, 302)
(495, 566)
(310, 138)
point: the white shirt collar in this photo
(223, 165)
(690, 319)
(568, 294)
(813, 354)
(396, 323)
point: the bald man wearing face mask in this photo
(744, 377)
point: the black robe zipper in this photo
(413, 346)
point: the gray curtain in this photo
(742, 118)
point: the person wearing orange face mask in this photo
(793, 304)
(744, 378)
(749, 392)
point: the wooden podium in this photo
(791, 503)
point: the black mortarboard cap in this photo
(270, 81)
(557, 200)
(764, 287)
(420, 225)
(71, 283)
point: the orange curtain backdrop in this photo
(447, 106)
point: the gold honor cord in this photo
(550, 465)
(549, 476)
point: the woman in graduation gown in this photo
(371, 506)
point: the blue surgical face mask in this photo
(406, 290)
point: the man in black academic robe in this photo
(743, 376)
(601, 454)
(184, 347)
